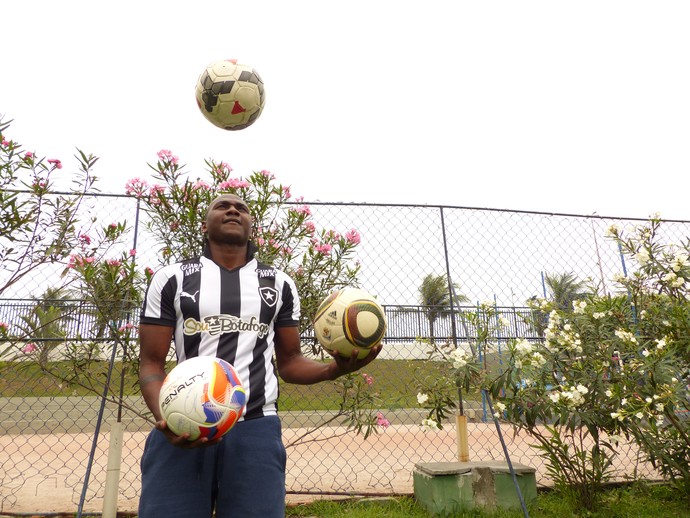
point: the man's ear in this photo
(203, 227)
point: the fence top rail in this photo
(408, 205)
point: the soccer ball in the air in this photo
(349, 318)
(202, 396)
(230, 95)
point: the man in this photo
(243, 473)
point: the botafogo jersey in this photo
(231, 314)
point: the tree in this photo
(44, 325)
(436, 298)
(565, 288)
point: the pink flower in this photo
(166, 155)
(149, 271)
(136, 187)
(113, 262)
(369, 380)
(310, 227)
(55, 163)
(29, 348)
(85, 239)
(4, 326)
(4, 143)
(133, 252)
(303, 209)
(353, 237)
(28, 155)
(113, 226)
(126, 327)
(382, 421)
(233, 183)
(323, 248)
(201, 185)
(267, 174)
(286, 192)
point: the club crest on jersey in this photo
(190, 268)
(269, 295)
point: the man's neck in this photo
(228, 256)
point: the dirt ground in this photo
(47, 477)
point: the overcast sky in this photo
(569, 107)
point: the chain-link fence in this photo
(51, 437)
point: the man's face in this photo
(228, 220)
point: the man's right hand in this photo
(182, 441)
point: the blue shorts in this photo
(242, 476)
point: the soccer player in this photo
(225, 304)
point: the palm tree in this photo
(565, 288)
(45, 323)
(436, 298)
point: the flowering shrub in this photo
(319, 260)
(40, 227)
(37, 226)
(609, 368)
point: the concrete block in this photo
(447, 488)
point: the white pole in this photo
(112, 477)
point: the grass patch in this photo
(638, 500)
(394, 381)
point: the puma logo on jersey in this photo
(193, 297)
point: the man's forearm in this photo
(150, 382)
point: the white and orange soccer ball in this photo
(202, 396)
(349, 318)
(230, 95)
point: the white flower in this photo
(639, 415)
(554, 396)
(579, 306)
(500, 406)
(523, 347)
(660, 344)
(645, 352)
(430, 424)
(582, 389)
(609, 393)
(538, 359)
(626, 336)
(598, 314)
(459, 358)
(422, 398)
(612, 231)
(624, 401)
(614, 415)
(618, 278)
(674, 380)
(659, 407)
(642, 257)
(503, 321)
(648, 399)
(669, 277)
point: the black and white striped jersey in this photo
(231, 314)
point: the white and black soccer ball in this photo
(230, 95)
(349, 318)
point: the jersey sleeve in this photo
(159, 302)
(289, 312)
